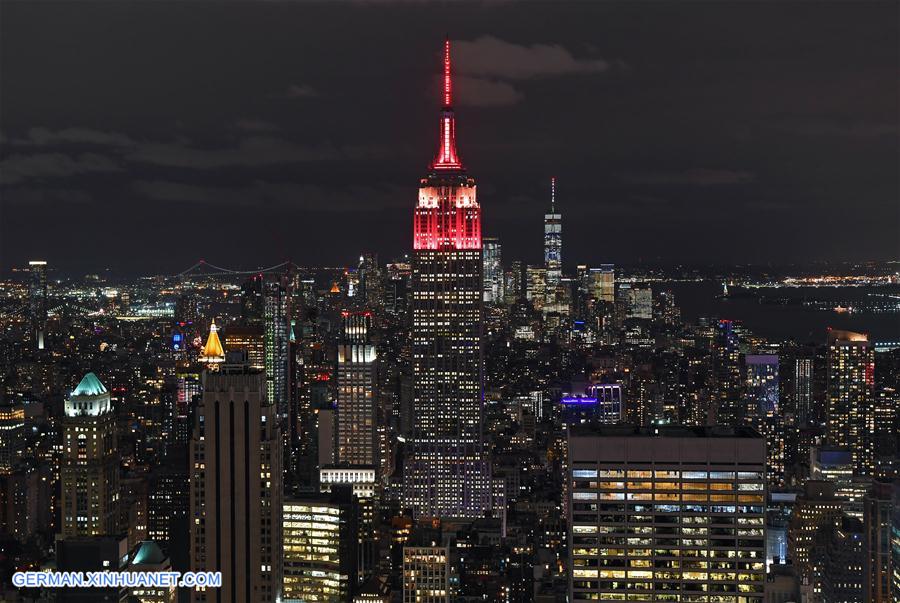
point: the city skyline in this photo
(682, 134)
(473, 382)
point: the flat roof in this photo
(663, 431)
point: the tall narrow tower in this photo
(445, 473)
(89, 470)
(553, 242)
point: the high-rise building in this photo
(879, 566)
(602, 285)
(726, 362)
(276, 308)
(553, 241)
(536, 286)
(665, 512)
(357, 442)
(38, 301)
(12, 432)
(89, 471)
(320, 552)
(817, 507)
(493, 271)
(850, 390)
(248, 338)
(763, 409)
(236, 487)
(446, 474)
(803, 390)
(426, 574)
(639, 302)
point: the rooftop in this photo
(90, 386)
(663, 431)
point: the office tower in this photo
(276, 308)
(446, 474)
(513, 283)
(249, 338)
(320, 552)
(602, 283)
(885, 427)
(426, 574)
(839, 550)
(803, 390)
(357, 442)
(169, 505)
(850, 393)
(91, 554)
(493, 271)
(639, 302)
(371, 282)
(553, 242)
(186, 309)
(726, 363)
(666, 512)
(817, 507)
(26, 501)
(12, 433)
(879, 566)
(610, 402)
(37, 294)
(236, 487)
(89, 470)
(365, 488)
(213, 353)
(536, 286)
(763, 410)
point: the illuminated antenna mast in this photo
(447, 158)
(553, 195)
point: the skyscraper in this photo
(38, 300)
(850, 388)
(356, 402)
(603, 283)
(445, 473)
(493, 271)
(553, 242)
(320, 546)
(89, 473)
(235, 484)
(666, 512)
(763, 409)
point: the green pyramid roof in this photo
(90, 386)
(148, 552)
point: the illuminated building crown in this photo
(447, 215)
(213, 350)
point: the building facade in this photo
(235, 487)
(89, 471)
(666, 514)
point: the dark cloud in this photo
(300, 91)
(696, 177)
(42, 166)
(493, 57)
(261, 193)
(74, 136)
(482, 92)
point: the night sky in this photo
(142, 136)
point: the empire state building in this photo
(446, 473)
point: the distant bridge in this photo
(202, 267)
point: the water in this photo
(791, 321)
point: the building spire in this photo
(553, 195)
(447, 157)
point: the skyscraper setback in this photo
(445, 473)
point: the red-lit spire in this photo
(447, 157)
